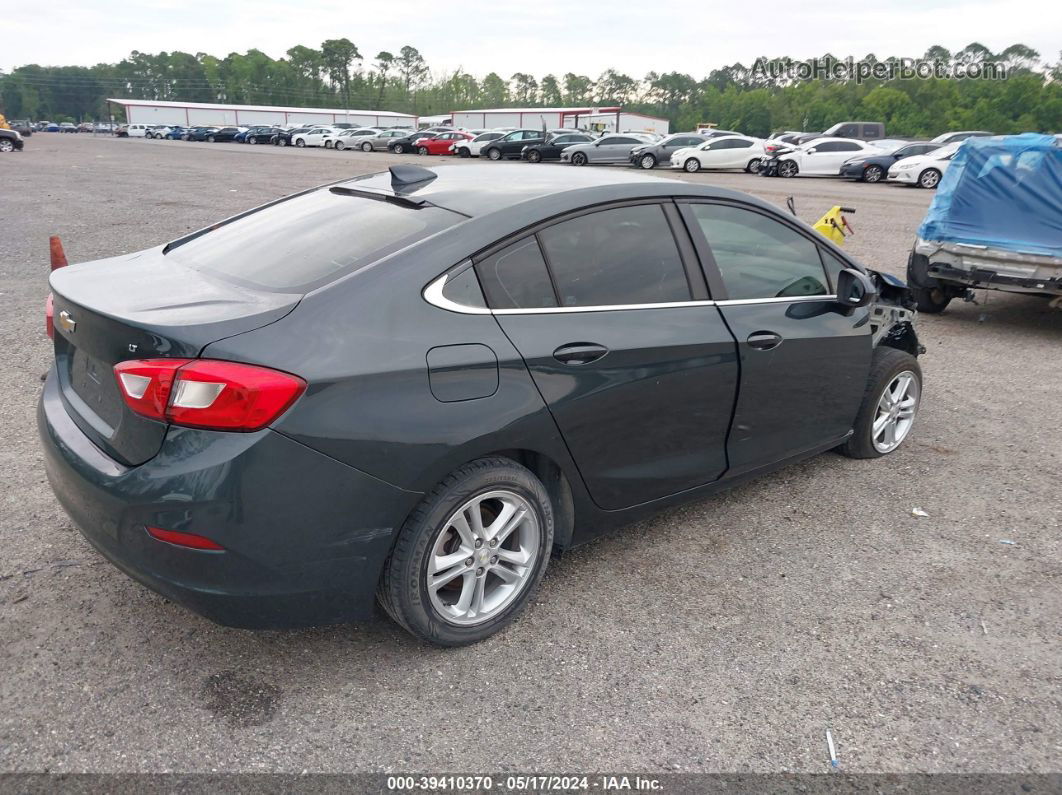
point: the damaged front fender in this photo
(893, 314)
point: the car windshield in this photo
(301, 243)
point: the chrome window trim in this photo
(433, 294)
(556, 310)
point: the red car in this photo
(442, 144)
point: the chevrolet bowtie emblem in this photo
(67, 323)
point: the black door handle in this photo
(764, 340)
(579, 353)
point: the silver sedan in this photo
(606, 149)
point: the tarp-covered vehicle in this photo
(995, 223)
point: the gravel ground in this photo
(724, 635)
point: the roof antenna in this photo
(406, 179)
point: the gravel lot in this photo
(725, 635)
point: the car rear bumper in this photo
(304, 536)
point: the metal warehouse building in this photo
(612, 119)
(188, 114)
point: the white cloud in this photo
(693, 36)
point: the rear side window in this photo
(309, 240)
(516, 277)
(759, 257)
(625, 255)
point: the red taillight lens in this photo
(231, 396)
(146, 384)
(183, 539)
(205, 393)
(49, 317)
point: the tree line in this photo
(747, 98)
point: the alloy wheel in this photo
(872, 174)
(647, 162)
(897, 407)
(787, 168)
(929, 178)
(483, 558)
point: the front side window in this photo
(625, 255)
(759, 257)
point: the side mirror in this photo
(854, 288)
(812, 151)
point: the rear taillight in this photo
(190, 540)
(206, 393)
(49, 317)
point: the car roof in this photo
(477, 190)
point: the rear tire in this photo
(430, 532)
(754, 166)
(931, 300)
(887, 370)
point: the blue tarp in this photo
(1003, 192)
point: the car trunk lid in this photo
(140, 306)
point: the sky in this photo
(534, 36)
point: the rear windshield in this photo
(301, 243)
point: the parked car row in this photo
(855, 150)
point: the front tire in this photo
(929, 179)
(301, 143)
(534, 156)
(787, 168)
(647, 162)
(464, 151)
(494, 154)
(210, 138)
(471, 555)
(890, 405)
(340, 146)
(422, 150)
(398, 149)
(366, 147)
(692, 166)
(873, 173)
(579, 159)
